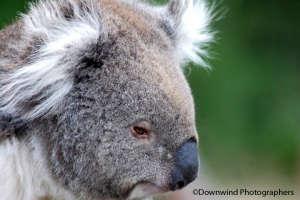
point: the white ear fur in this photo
(191, 20)
(46, 79)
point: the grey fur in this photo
(130, 74)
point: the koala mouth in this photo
(143, 189)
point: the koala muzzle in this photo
(186, 165)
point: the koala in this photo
(94, 104)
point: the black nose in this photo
(186, 165)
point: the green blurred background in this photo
(248, 106)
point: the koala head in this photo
(104, 92)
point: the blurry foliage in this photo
(248, 106)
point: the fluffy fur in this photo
(46, 77)
(24, 175)
(194, 33)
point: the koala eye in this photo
(141, 130)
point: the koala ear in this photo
(176, 9)
(191, 20)
(65, 30)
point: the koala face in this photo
(100, 84)
(120, 128)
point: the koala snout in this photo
(186, 165)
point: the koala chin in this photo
(94, 103)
